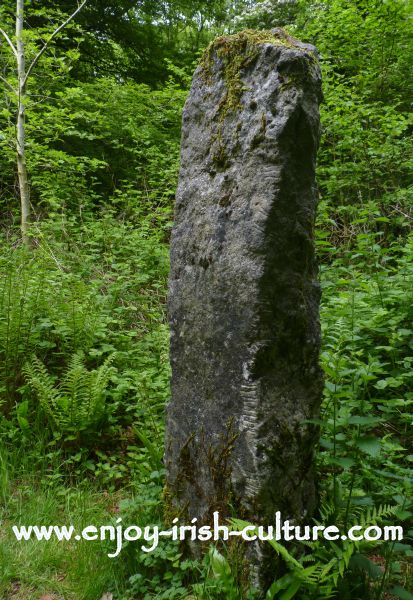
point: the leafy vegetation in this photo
(84, 372)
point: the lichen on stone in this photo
(236, 52)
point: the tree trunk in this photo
(24, 188)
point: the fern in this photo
(320, 580)
(77, 403)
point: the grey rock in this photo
(243, 290)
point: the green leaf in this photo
(364, 420)
(23, 422)
(22, 408)
(369, 444)
(401, 593)
(344, 462)
(278, 585)
(219, 564)
(324, 443)
(239, 524)
(363, 563)
(292, 590)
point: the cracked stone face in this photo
(243, 290)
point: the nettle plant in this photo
(366, 444)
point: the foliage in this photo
(78, 403)
(60, 569)
(80, 152)
(43, 309)
(366, 57)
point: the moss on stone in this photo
(217, 458)
(236, 53)
(219, 154)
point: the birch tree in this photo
(20, 91)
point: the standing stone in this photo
(244, 296)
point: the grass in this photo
(67, 569)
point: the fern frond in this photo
(78, 402)
(43, 386)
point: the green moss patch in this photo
(237, 52)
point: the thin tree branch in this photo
(8, 40)
(46, 45)
(7, 84)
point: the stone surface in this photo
(244, 296)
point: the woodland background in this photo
(84, 371)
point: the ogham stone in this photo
(243, 292)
